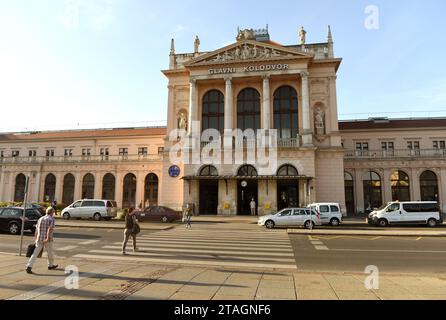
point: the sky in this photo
(73, 64)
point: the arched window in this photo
(372, 190)
(49, 190)
(129, 191)
(108, 187)
(151, 190)
(349, 193)
(248, 109)
(287, 170)
(400, 184)
(247, 171)
(88, 186)
(19, 190)
(208, 171)
(286, 112)
(68, 189)
(429, 186)
(213, 111)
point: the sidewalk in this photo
(380, 232)
(133, 281)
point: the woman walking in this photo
(188, 216)
(131, 229)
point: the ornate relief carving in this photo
(319, 121)
(247, 52)
(182, 120)
(319, 86)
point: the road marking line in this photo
(191, 262)
(59, 284)
(314, 242)
(88, 242)
(240, 241)
(324, 248)
(384, 250)
(67, 248)
(111, 230)
(419, 238)
(376, 238)
(212, 251)
(213, 246)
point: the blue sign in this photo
(174, 171)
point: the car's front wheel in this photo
(382, 223)
(334, 222)
(164, 219)
(66, 216)
(97, 217)
(270, 224)
(14, 228)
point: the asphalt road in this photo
(353, 254)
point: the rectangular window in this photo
(142, 151)
(104, 153)
(123, 151)
(68, 152)
(15, 153)
(387, 146)
(86, 152)
(32, 153)
(50, 152)
(2, 154)
(413, 145)
(160, 150)
(362, 146)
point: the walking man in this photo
(44, 238)
(131, 230)
(253, 206)
(188, 216)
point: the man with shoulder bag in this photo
(131, 230)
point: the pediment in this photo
(247, 50)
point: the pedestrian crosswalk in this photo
(207, 245)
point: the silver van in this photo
(91, 209)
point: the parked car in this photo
(91, 209)
(11, 219)
(158, 213)
(330, 212)
(417, 212)
(291, 217)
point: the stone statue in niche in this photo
(182, 120)
(319, 121)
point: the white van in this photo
(91, 209)
(418, 212)
(330, 212)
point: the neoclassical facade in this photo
(285, 92)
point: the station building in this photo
(285, 91)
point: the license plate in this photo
(143, 214)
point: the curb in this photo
(367, 233)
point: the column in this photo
(10, 196)
(266, 103)
(334, 125)
(192, 104)
(118, 188)
(386, 186)
(359, 190)
(442, 188)
(2, 184)
(139, 189)
(98, 185)
(59, 187)
(415, 192)
(38, 184)
(77, 186)
(307, 134)
(171, 116)
(228, 104)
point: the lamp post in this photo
(25, 199)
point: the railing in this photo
(80, 159)
(386, 154)
(249, 143)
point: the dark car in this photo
(11, 219)
(158, 213)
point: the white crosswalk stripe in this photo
(223, 246)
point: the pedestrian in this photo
(44, 239)
(131, 230)
(147, 203)
(253, 206)
(54, 206)
(188, 216)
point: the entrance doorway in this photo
(209, 197)
(287, 194)
(246, 191)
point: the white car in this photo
(330, 212)
(291, 217)
(91, 209)
(417, 212)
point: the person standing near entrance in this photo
(253, 207)
(44, 238)
(188, 216)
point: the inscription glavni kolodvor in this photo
(267, 67)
